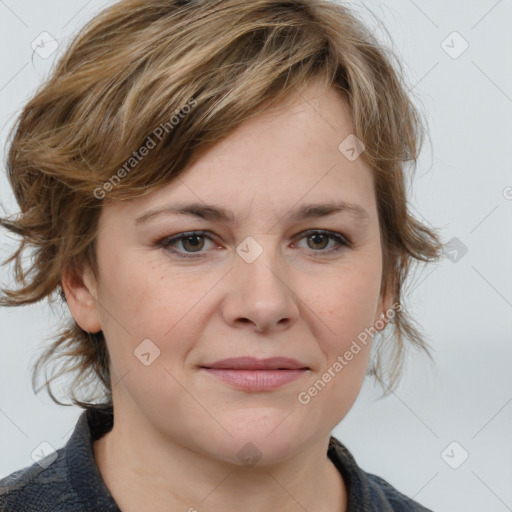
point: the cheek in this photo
(344, 336)
(347, 304)
(141, 300)
(345, 313)
(137, 292)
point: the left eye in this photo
(319, 237)
(193, 242)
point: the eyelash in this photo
(342, 241)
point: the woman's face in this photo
(255, 285)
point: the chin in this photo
(263, 441)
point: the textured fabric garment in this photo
(72, 481)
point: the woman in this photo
(217, 191)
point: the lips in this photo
(250, 374)
(252, 363)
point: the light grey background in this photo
(463, 186)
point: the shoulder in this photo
(66, 480)
(41, 487)
(383, 491)
(367, 491)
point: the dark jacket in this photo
(72, 482)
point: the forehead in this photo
(281, 158)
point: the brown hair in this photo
(185, 74)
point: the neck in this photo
(137, 463)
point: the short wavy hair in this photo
(128, 75)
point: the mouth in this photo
(253, 375)
(253, 363)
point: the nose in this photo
(260, 294)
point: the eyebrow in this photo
(220, 214)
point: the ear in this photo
(80, 287)
(384, 307)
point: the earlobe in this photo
(81, 296)
(384, 312)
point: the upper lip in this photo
(253, 363)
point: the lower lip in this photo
(256, 380)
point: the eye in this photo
(190, 241)
(318, 240)
(193, 242)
